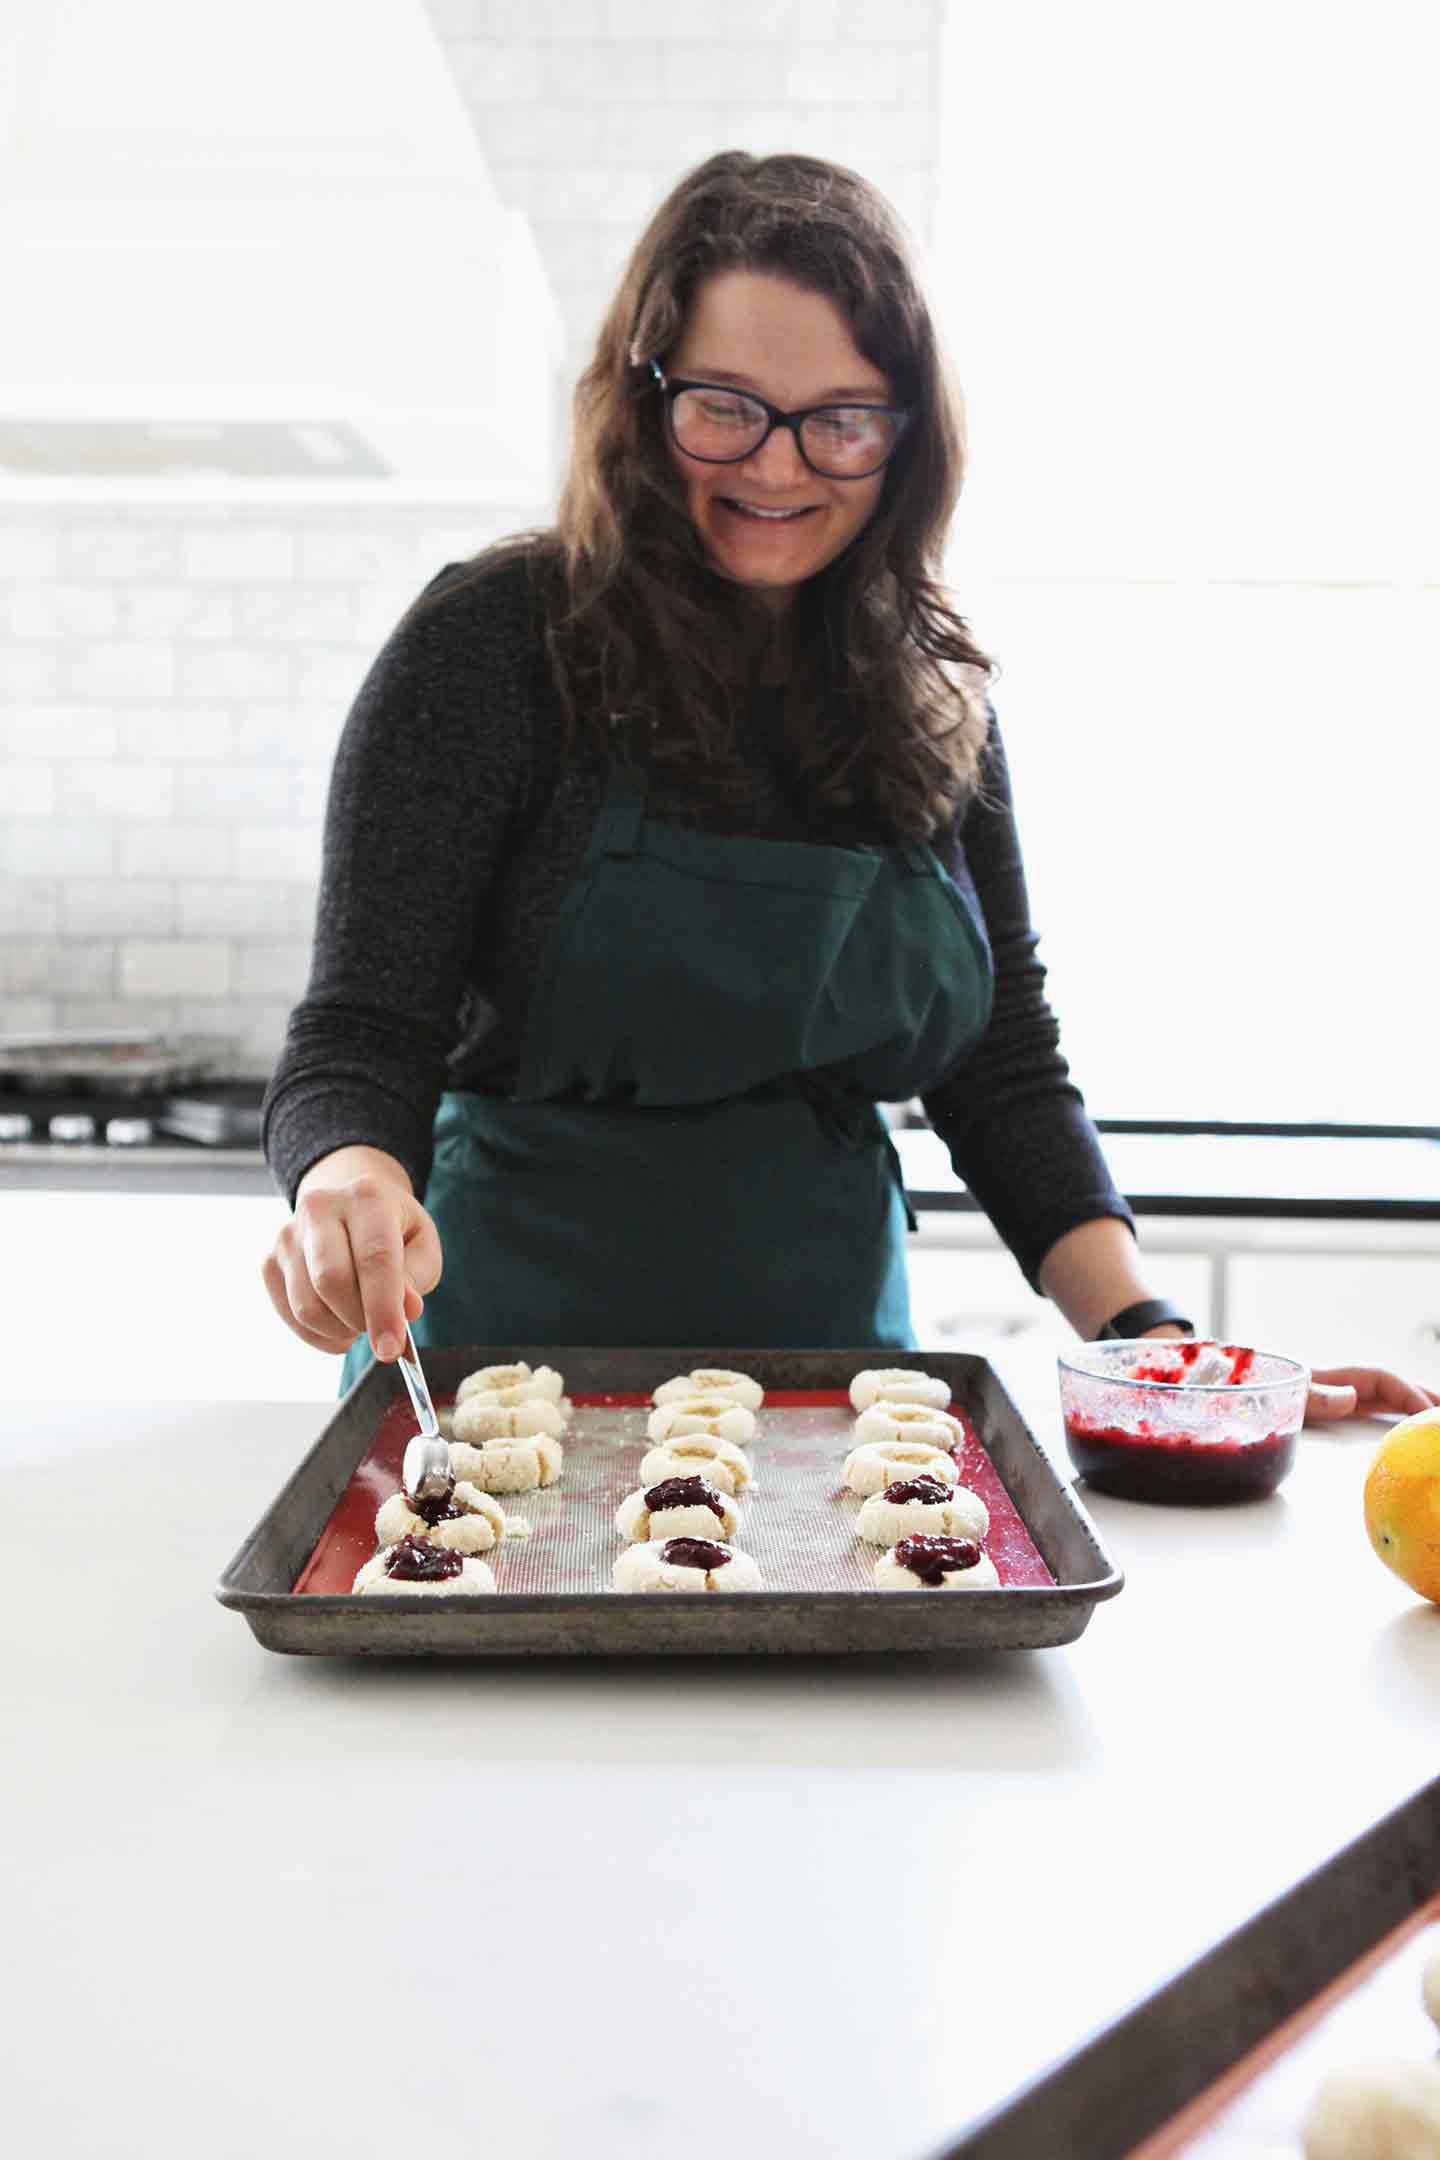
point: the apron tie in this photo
(849, 1118)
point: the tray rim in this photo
(1034, 1599)
(1063, 2103)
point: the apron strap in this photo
(624, 814)
(848, 1118)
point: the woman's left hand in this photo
(1363, 1391)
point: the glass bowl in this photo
(1150, 1439)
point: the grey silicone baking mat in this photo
(796, 1523)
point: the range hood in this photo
(256, 254)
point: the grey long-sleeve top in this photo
(454, 826)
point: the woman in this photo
(662, 847)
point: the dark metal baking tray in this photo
(1133, 2078)
(258, 1580)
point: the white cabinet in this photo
(966, 1294)
(1350, 1308)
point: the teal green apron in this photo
(692, 1153)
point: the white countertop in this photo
(264, 1907)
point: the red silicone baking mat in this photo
(796, 1522)
(1374, 2008)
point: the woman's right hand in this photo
(357, 1255)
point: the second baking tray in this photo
(797, 1470)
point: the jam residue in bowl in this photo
(693, 1552)
(933, 1558)
(673, 1492)
(413, 1559)
(1150, 1464)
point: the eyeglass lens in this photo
(723, 426)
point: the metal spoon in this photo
(425, 1472)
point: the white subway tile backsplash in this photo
(29, 791)
(178, 611)
(239, 553)
(228, 792)
(365, 557)
(289, 733)
(455, 19)
(230, 672)
(331, 675)
(175, 967)
(176, 851)
(29, 671)
(310, 785)
(238, 908)
(144, 1015)
(113, 548)
(110, 668)
(56, 730)
(702, 73)
(55, 967)
(60, 610)
(273, 968)
(30, 552)
(58, 847)
(117, 907)
(494, 71)
(289, 614)
(175, 678)
(283, 851)
(28, 1016)
(632, 72)
(521, 137)
(95, 789)
(743, 23)
(176, 732)
(29, 907)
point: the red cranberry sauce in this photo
(693, 1552)
(414, 1559)
(933, 1558)
(1185, 1352)
(1148, 1465)
(437, 1508)
(929, 1489)
(684, 1492)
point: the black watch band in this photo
(1139, 1319)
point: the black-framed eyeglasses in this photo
(719, 425)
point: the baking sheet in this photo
(1223, 2061)
(292, 1577)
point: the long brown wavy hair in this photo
(654, 654)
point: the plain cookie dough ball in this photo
(686, 1454)
(676, 1507)
(1430, 1985)
(466, 1520)
(480, 1418)
(1383, 2110)
(909, 1421)
(877, 1463)
(924, 1505)
(508, 1466)
(712, 1380)
(543, 1383)
(683, 1563)
(705, 1414)
(896, 1384)
(414, 1568)
(935, 1563)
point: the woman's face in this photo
(758, 331)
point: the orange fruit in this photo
(1402, 1502)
